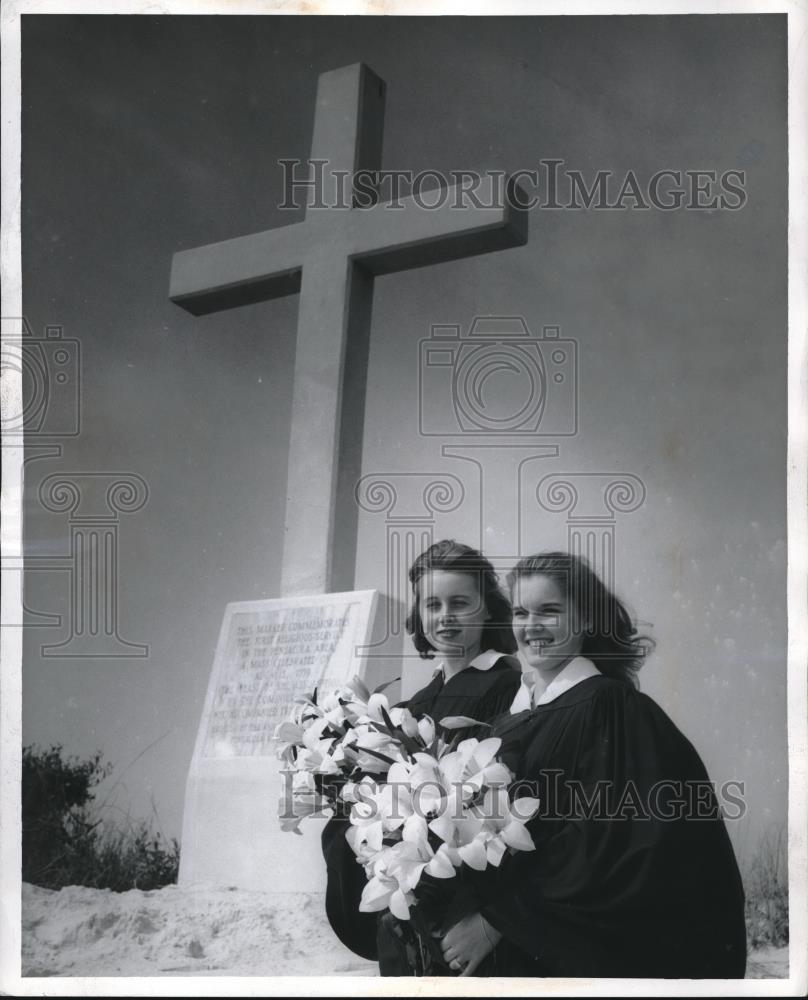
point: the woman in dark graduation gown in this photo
(460, 615)
(633, 874)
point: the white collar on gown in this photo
(482, 661)
(531, 693)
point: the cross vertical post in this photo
(331, 258)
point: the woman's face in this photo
(545, 624)
(452, 612)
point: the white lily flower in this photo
(391, 803)
(472, 766)
(376, 703)
(330, 702)
(289, 732)
(426, 729)
(400, 903)
(376, 894)
(366, 831)
(399, 773)
(348, 792)
(366, 841)
(516, 836)
(396, 873)
(474, 854)
(444, 862)
(404, 719)
(317, 757)
(313, 733)
(303, 781)
(383, 893)
(503, 824)
(362, 744)
(405, 861)
(415, 831)
(458, 830)
(288, 736)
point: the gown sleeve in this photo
(345, 880)
(621, 891)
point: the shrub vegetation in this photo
(766, 886)
(63, 843)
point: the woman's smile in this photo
(545, 624)
(452, 613)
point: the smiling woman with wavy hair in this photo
(462, 620)
(633, 873)
(449, 556)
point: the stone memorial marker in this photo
(269, 653)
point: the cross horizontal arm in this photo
(385, 239)
(238, 272)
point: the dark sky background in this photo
(145, 135)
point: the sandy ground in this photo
(767, 963)
(174, 931)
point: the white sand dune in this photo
(174, 931)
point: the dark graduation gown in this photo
(604, 896)
(479, 694)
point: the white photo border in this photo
(11, 981)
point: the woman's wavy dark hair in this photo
(611, 640)
(454, 557)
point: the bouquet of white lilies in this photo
(416, 803)
(326, 741)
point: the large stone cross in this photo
(331, 259)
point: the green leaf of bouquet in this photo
(383, 687)
(377, 753)
(411, 745)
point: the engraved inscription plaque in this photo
(270, 657)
